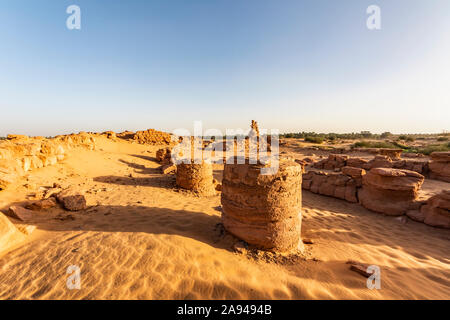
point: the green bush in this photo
(442, 139)
(371, 144)
(318, 140)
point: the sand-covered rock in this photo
(390, 191)
(263, 210)
(9, 235)
(436, 212)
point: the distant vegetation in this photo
(377, 144)
(427, 150)
(312, 139)
(438, 142)
(2, 138)
(365, 135)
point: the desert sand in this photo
(141, 238)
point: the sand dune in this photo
(141, 239)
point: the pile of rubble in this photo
(20, 154)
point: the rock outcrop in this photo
(9, 234)
(337, 185)
(390, 191)
(263, 210)
(440, 166)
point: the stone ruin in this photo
(390, 191)
(263, 210)
(164, 155)
(342, 185)
(152, 136)
(440, 166)
(20, 154)
(196, 177)
(337, 162)
(435, 212)
(254, 127)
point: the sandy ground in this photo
(141, 239)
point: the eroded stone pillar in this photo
(197, 177)
(263, 210)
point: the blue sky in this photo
(291, 65)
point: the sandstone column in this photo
(263, 210)
(197, 177)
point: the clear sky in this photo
(289, 64)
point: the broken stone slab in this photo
(360, 268)
(72, 199)
(43, 204)
(168, 169)
(20, 213)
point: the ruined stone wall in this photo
(153, 137)
(440, 166)
(20, 154)
(337, 185)
(335, 162)
(390, 191)
(263, 210)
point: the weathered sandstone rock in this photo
(332, 162)
(390, 191)
(72, 199)
(263, 210)
(153, 137)
(164, 155)
(168, 168)
(355, 173)
(440, 166)
(436, 212)
(9, 235)
(43, 204)
(20, 213)
(337, 185)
